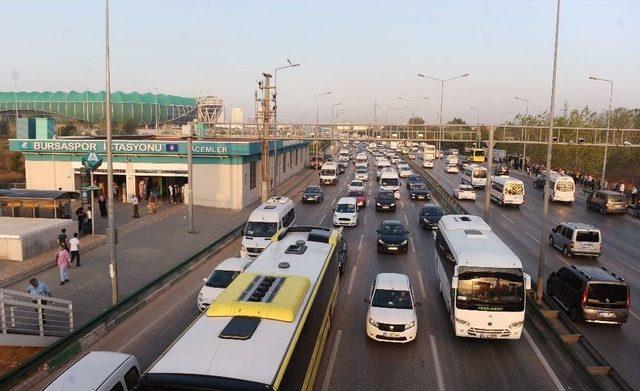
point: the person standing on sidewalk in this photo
(74, 244)
(81, 215)
(634, 194)
(63, 259)
(102, 204)
(38, 290)
(135, 202)
(89, 214)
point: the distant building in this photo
(237, 115)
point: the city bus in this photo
(476, 155)
(268, 328)
(429, 152)
(481, 280)
(506, 190)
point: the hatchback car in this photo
(430, 216)
(589, 293)
(419, 191)
(356, 185)
(391, 316)
(464, 192)
(346, 212)
(360, 196)
(392, 237)
(451, 168)
(312, 194)
(362, 174)
(607, 201)
(386, 200)
(576, 239)
(219, 280)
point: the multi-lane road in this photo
(436, 359)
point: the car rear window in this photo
(588, 236)
(607, 294)
(617, 199)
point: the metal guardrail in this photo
(581, 352)
(60, 352)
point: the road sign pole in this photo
(93, 220)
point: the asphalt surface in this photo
(520, 229)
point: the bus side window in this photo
(117, 387)
(288, 218)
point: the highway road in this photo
(520, 229)
(436, 360)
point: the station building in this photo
(226, 174)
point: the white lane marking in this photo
(332, 361)
(543, 361)
(360, 244)
(532, 237)
(634, 314)
(626, 263)
(353, 275)
(421, 281)
(506, 218)
(436, 362)
(526, 207)
(364, 221)
(413, 247)
(553, 222)
(401, 204)
(158, 321)
(406, 220)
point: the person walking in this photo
(62, 238)
(171, 193)
(102, 204)
(89, 215)
(135, 202)
(38, 290)
(74, 244)
(63, 259)
(81, 215)
(152, 203)
(621, 187)
(634, 194)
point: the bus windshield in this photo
(260, 229)
(389, 182)
(490, 291)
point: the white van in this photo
(362, 160)
(100, 371)
(346, 212)
(507, 191)
(451, 159)
(264, 222)
(381, 165)
(391, 316)
(562, 188)
(389, 180)
(219, 279)
(329, 173)
(475, 175)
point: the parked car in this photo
(386, 200)
(312, 194)
(607, 201)
(464, 192)
(419, 191)
(392, 237)
(589, 293)
(430, 216)
(576, 239)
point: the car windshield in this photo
(466, 188)
(490, 291)
(385, 298)
(356, 184)
(608, 294)
(418, 186)
(260, 229)
(433, 211)
(328, 171)
(391, 229)
(361, 171)
(389, 182)
(588, 236)
(346, 208)
(479, 173)
(312, 190)
(356, 193)
(221, 278)
(385, 196)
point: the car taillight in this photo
(584, 297)
(628, 299)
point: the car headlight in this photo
(410, 325)
(378, 204)
(463, 322)
(516, 325)
(403, 242)
(372, 322)
(394, 204)
(380, 241)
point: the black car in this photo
(340, 169)
(419, 191)
(343, 254)
(590, 293)
(414, 178)
(430, 216)
(501, 169)
(538, 183)
(386, 200)
(312, 194)
(392, 237)
(327, 157)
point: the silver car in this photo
(576, 239)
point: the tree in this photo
(416, 121)
(129, 126)
(15, 162)
(456, 121)
(67, 129)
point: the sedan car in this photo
(392, 237)
(419, 191)
(219, 279)
(464, 192)
(312, 194)
(451, 168)
(430, 216)
(360, 196)
(427, 163)
(362, 174)
(356, 185)
(386, 200)
(415, 178)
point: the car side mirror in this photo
(377, 231)
(454, 282)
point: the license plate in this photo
(585, 245)
(421, 197)
(385, 207)
(388, 334)
(607, 314)
(392, 248)
(488, 335)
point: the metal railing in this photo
(25, 318)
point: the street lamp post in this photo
(156, 93)
(606, 141)
(524, 135)
(315, 134)
(275, 120)
(333, 107)
(477, 110)
(545, 204)
(442, 81)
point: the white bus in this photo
(389, 180)
(475, 175)
(452, 151)
(429, 152)
(481, 280)
(562, 188)
(506, 190)
(267, 330)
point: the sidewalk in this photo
(147, 247)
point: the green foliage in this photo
(128, 127)
(416, 121)
(15, 162)
(67, 129)
(456, 121)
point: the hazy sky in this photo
(361, 50)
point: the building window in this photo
(252, 175)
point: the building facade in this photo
(226, 174)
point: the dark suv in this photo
(607, 201)
(593, 294)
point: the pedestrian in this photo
(63, 260)
(171, 194)
(74, 244)
(152, 203)
(102, 204)
(634, 194)
(62, 238)
(621, 187)
(89, 215)
(135, 202)
(81, 215)
(38, 290)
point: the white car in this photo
(405, 172)
(427, 164)
(356, 184)
(391, 316)
(395, 159)
(451, 168)
(362, 174)
(412, 156)
(219, 279)
(464, 192)
(346, 212)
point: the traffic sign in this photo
(93, 188)
(91, 161)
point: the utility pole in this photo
(487, 188)
(545, 202)
(111, 228)
(190, 230)
(523, 136)
(266, 117)
(606, 140)
(315, 134)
